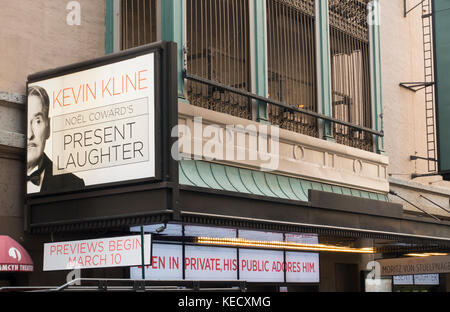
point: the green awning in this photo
(221, 177)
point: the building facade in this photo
(300, 142)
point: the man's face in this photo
(38, 131)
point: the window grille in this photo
(350, 71)
(138, 23)
(218, 50)
(292, 63)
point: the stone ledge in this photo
(303, 156)
(419, 186)
(12, 139)
(12, 97)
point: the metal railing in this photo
(218, 48)
(138, 23)
(292, 63)
(135, 285)
(218, 61)
(282, 105)
(350, 71)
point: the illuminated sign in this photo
(92, 127)
(229, 264)
(97, 253)
(99, 139)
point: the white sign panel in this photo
(210, 263)
(302, 267)
(207, 231)
(220, 263)
(92, 127)
(426, 279)
(260, 236)
(415, 265)
(261, 265)
(403, 280)
(167, 264)
(310, 239)
(97, 253)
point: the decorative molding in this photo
(12, 139)
(302, 156)
(12, 97)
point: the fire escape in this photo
(427, 85)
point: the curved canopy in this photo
(13, 257)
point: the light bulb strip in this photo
(426, 254)
(240, 242)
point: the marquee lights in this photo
(426, 254)
(241, 242)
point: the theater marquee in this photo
(99, 139)
(101, 123)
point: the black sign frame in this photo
(104, 205)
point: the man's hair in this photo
(42, 94)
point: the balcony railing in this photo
(350, 71)
(218, 61)
(288, 108)
(292, 63)
(218, 49)
(138, 23)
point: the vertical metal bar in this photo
(132, 24)
(138, 22)
(145, 19)
(142, 252)
(304, 68)
(125, 23)
(214, 13)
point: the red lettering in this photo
(114, 87)
(76, 98)
(52, 249)
(158, 262)
(94, 94)
(64, 97)
(174, 263)
(127, 79)
(141, 79)
(119, 245)
(56, 99)
(111, 246)
(105, 88)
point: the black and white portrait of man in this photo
(40, 176)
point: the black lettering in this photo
(77, 137)
(86, 138)
(137, 148)
(99, 137)
(93, 157)
(67, 142)
(126, 151)
(105, 135)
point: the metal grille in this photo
(350, 71)
(292, 63)
(138, 23)
(218, 50)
